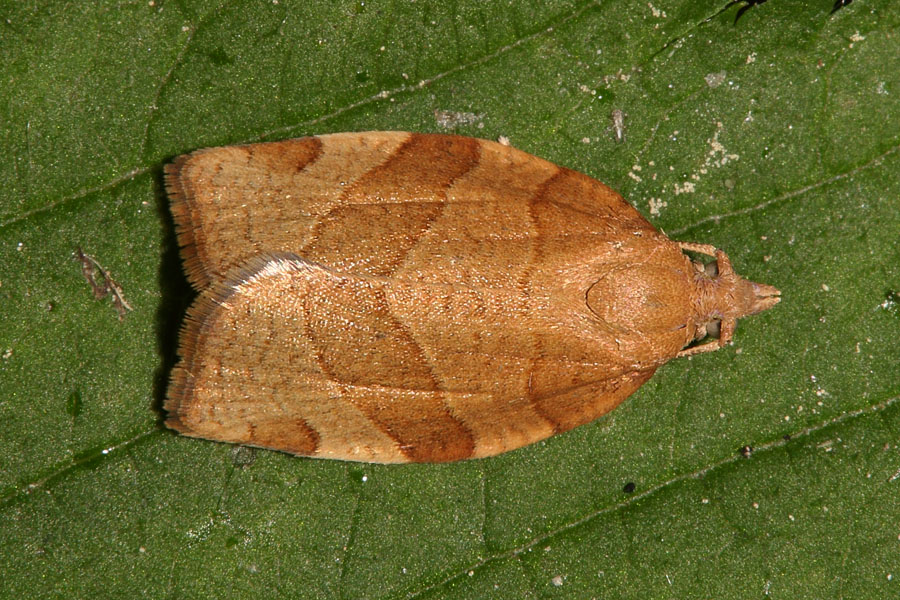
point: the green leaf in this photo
(774, 136)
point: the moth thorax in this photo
(643, 297)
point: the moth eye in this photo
(712, 269)
(713, 328)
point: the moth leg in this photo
(707, 249)
(710, 346)
(726, 331)
(724, 263)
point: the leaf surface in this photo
(774, 136)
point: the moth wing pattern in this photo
(379, 202)
(351, 401)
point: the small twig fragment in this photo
(895, 476)
(839, 4)
(618, 125)
(102, 284)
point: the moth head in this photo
(724, 297)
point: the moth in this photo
(398, 297)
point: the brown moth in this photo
(398, 297)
